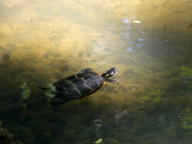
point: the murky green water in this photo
(148, 41)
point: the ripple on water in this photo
(129, 49)
(126, 21)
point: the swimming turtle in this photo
(80, 85)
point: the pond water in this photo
(148, 41)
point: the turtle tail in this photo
(43, 88)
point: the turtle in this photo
(80, 85)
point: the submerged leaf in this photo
(99, 141)
(26, 91)
(24, 86)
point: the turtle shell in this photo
(78, 86)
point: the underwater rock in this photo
(120, 115)
(98, 123)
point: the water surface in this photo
(148, 41)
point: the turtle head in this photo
(110, 73)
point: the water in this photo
(148, 41)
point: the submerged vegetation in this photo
(99, 141)
(6, 137)
(26, 91)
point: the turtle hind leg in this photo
(58, 101)
(43, 88)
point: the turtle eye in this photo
(113, 72)
(107, 75)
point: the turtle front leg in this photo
(111, 80)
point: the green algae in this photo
(26, 91)
(186, 121)
(186, 71)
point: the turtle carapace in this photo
(79, 85)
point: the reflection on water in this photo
(148, 41)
